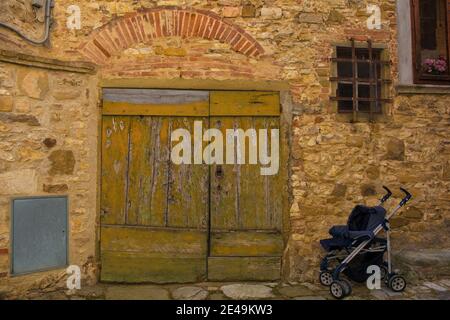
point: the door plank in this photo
(188, 189)
(275, 184)
(224, 190)
(142, 254)
(252, 195)
(163, 243)
(115, 139)
(242, 198)
(244, 268)
(161, 172)
(139, 267)
(148, 172)
(244, 103)
(193, 109)
(246, 243)
(155, 96)
(154, 102)
(140, 172)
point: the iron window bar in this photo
(354, 82)
(371, 76)
(375, 82)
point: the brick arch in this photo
(148, 24)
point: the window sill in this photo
(422, 89)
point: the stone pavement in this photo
(435, 290)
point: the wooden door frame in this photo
(282, 87)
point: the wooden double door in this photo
(164, 222)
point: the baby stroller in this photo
(356, 246)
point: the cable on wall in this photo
(48, 8)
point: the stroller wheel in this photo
(397, 283)
(383, 271)
(347, 287)
(338, 289)
(325, 278)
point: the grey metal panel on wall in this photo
(39, 234)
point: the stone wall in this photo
(335, 164)
(48, 141)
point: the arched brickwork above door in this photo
(143, 26)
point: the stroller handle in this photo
(386, 196)
(407, 197)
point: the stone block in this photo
(412, 213)
(335, 17)
(49, 142)
(171, 51)
(33, 83)
(247, 291)
(23, 182)
(190, 293)
(398, 222)
(229, 2)
(27, 153)
(22, 105)
(6, 103)
(231, 12)
(368, 190)
(373, 172)
(66, 94)
(248, 11)
(62, 162)
(446, 171)
(4, 263)
(271, 13)
(339, 190)
(136, 292)
(356, 142)
(295, 291)
(395, 150)
(7, 156)
(175, 52)
(425, 257)
(22, 118)
(55, 188)
(308, 17)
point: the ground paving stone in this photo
(247, 291)
(434, 286)
(189, 293)
(217, 296)
(424, 290)
(136, 292)
(295, 291)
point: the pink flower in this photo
(434, 66)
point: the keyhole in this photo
(219, 172)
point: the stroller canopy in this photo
(365, 218)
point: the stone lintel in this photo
(46, 63)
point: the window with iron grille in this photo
(360, 80)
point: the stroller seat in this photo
(360, 225)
